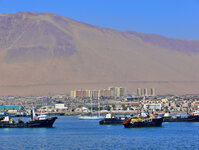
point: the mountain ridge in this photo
(46, 53)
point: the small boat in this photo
(19, 114)
(37, 121)
(195, 113)
(112, 120)
(3, 114)
(90, 117)
(136, 122)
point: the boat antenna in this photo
(32, 113)
(91, 103)
(98, 98)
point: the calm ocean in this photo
(71, 133)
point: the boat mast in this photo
(91, 103)
(98, 98)
(32, 113)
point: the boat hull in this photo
(46, 123)
(111, 121)
(180, 119)
(153, 123)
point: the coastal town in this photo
(99, 75)
(113, 99)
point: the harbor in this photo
(102, 124)
(71, 133)
(99, 75)
(63, 104)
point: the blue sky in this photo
(172, 18)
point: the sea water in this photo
(72, 133)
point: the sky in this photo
(171, 18)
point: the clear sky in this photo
(172, 18)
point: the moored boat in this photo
(3, 114)
(139, 122)
(112, 120)
(90, 117)
(47, 123)
(37, 121)
(192, 117)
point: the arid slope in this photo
(43, 53)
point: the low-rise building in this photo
(10, 107)
(153, 106)
(60, 106)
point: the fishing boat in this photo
(112, 120)
(136, 122)
(37, 121)
(192, 117)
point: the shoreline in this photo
(116, 113)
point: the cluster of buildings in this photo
(67, 105)
(166, 105)
(113, 98)
(146, 92)
(160, 104)
(110, 92)
(11, 109)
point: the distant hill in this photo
(43, 53)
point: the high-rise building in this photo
(139, 92)
(73, 94)
(80, 93)
(111, 91)
(117, 91)
(95, 94)
(89, 93)
(153, 92)
(146, 92)
(105, 93)
(122, 91)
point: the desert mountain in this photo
(42, 53)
